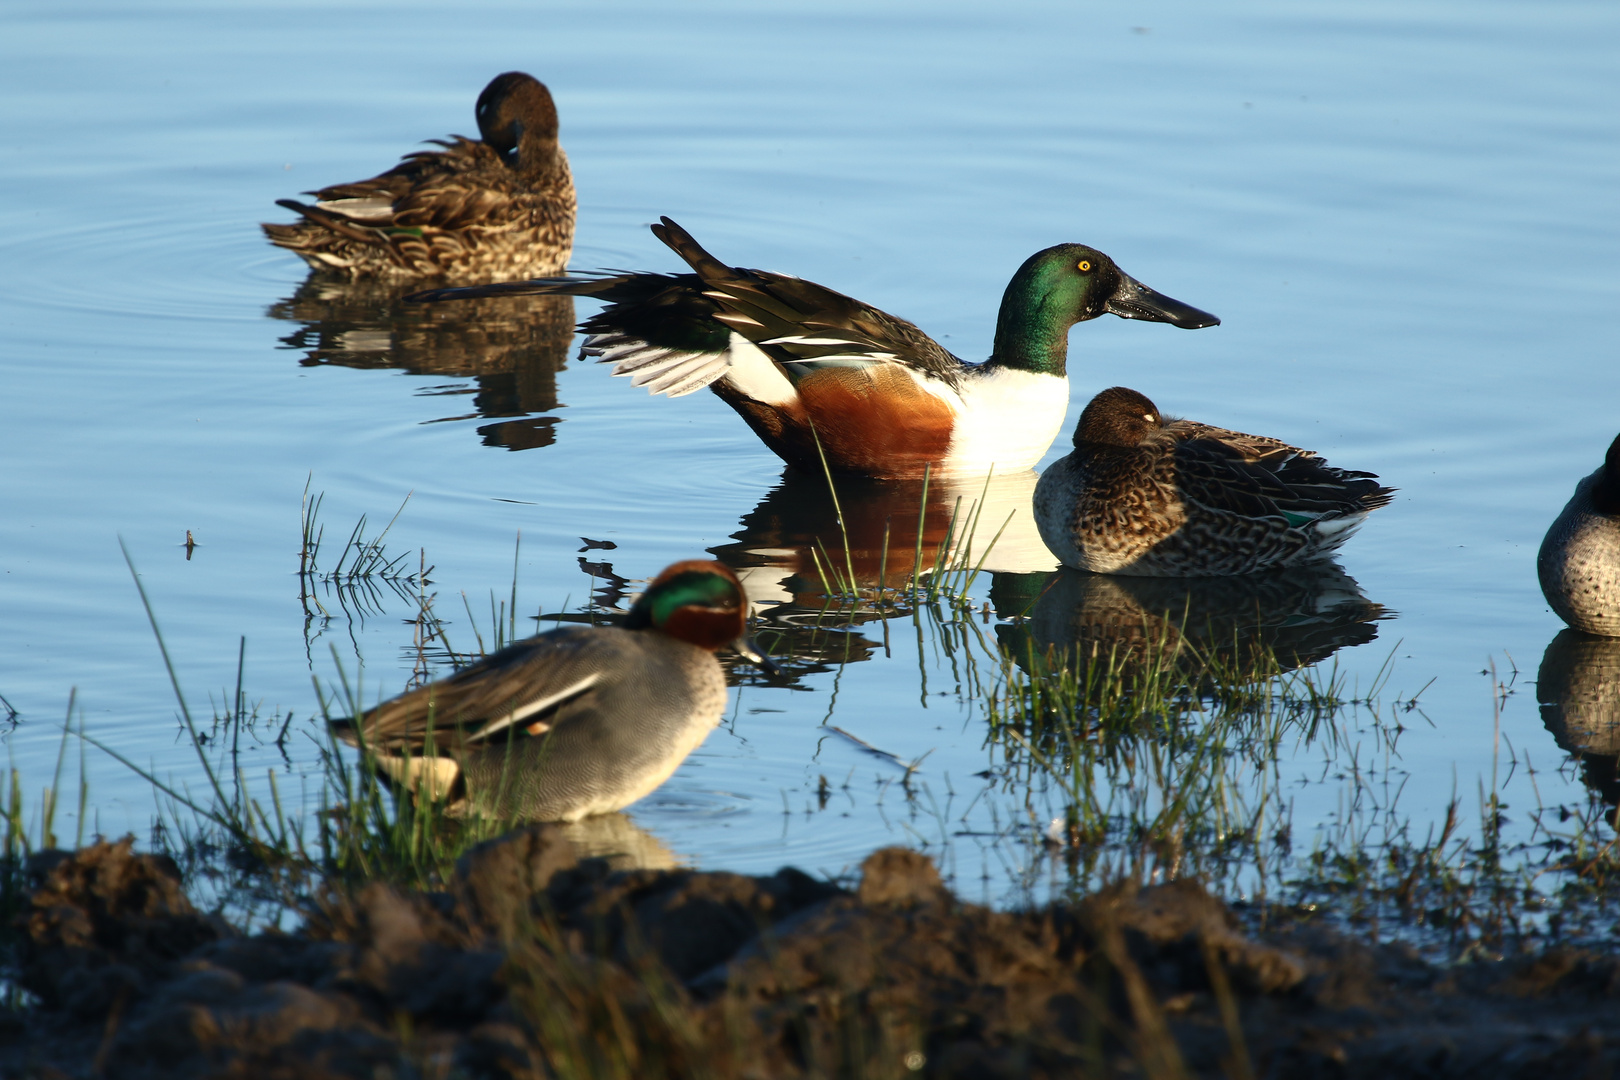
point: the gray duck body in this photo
(1579, 561)
(1152, 496)
(616, 711)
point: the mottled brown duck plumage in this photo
(1149, 495)
(468, 212)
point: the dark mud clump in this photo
(535, 962)
(104, 926)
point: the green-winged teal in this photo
(1149, 495)
(472, 211)
(804, 364)
(1579, 561)
(579, 720)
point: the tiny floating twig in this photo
(909, 766)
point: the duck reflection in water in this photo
(512, 347)
(618, 839)
(1255, 625)
(784, 545)
(1578, 688)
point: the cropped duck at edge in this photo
(577, 721)
(1579, 561)
(804, 365)
(1149, 495)
(472, 211)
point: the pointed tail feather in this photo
(681, 243)
(336, 222)
(562, 286)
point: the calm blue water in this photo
(1403, 213)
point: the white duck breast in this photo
(1005, 418)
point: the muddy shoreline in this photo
(538, 962)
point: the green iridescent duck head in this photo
(1071, 283)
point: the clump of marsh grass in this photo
(1159, 765)
(935, 593)
(26, 832)
(259, 855)
(583, 1014)
(946, 579)
(364, 569)
(366, 573)
(1468, 891)
(1149, 764)
(431, 646)
(1144, 760)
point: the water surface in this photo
(1403, 214)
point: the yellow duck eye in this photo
(1084, 264)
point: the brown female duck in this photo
(1152, 496)
(471, 211)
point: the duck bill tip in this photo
(1133, 300)
(746, 649)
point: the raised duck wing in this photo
(672, 333)
(800, 324)
(659, 329)
(514, 693)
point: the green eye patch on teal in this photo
(693, 587)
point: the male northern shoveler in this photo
(503, 207)
(579, 720)
(1579, 561)
(804, 364)
(1154, 496)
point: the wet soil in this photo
(537, 962)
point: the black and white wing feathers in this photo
(672, 332)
